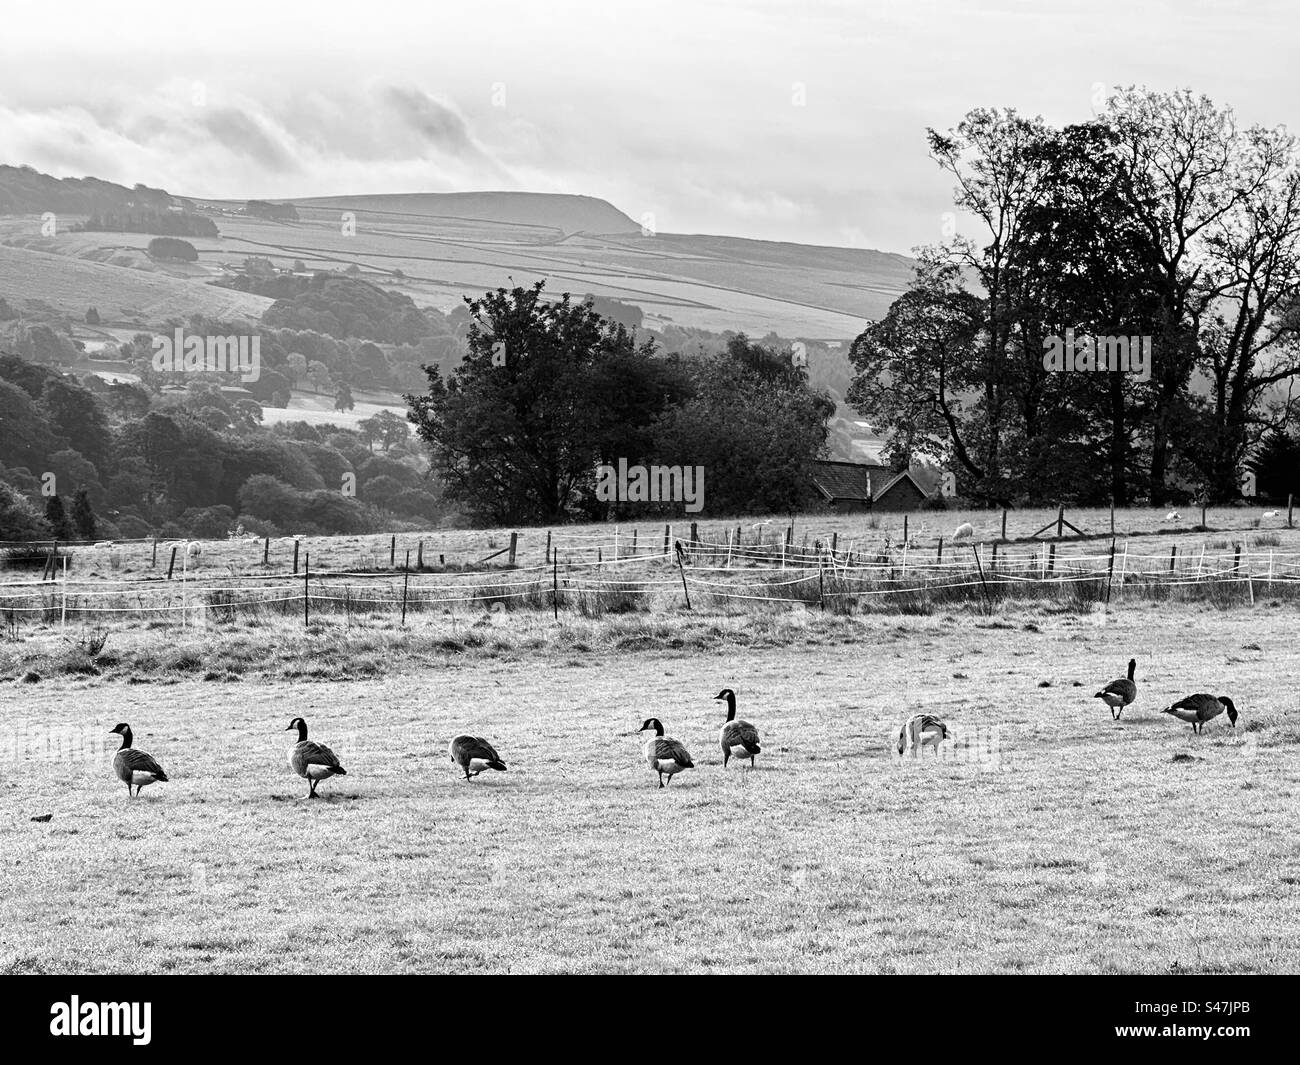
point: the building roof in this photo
(844, 480)
(885, 489)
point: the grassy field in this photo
(1046, 839)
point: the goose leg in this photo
(751, 761)
(661, 780)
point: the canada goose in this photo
(664, 753)
(919, 731)
(1119, 693)
(1198, 709)
(474, 754)
(737, 737)
(134, 768)
(312, 761)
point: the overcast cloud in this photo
(786, 121)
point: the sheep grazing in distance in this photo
(1173, 515)
(964, 531)
(1270, 514)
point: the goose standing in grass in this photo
(1198, 709)
(1119, 693)
(665, 754)
(134, 768)
(474, 754)
(312, 761)
(920, 731)
(737, 737)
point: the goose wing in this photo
(466, 748)
(667, 749)
(741, 734)
(133, 761)
(1201, 705)
(309, 752)
(1123, 687)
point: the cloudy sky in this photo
(798, 121)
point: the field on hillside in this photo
(1044, 838)
(714, 283)
(43, 269)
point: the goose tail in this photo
(161, 776)
(339, 771)
(498, 765)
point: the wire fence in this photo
(618, 574)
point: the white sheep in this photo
(964, 531)
(1173, 515)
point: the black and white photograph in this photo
(697, 487)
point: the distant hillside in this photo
(27, 191)
(570, 214)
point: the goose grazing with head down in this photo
(1198, 709)
(737, 737)
(134, 768)
(920, 731)
(312, 761)
(474, 754)
(1119, 693)
(665, 754)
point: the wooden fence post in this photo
(392, 553)
(406, 580)
(548, 545)
(939, 557)
(306, 590)
(1004, 523)
(295, 558)
(1173, 556)
(514, 543)
(1060, 522)
(555, 585)
(904, 528)
(682, 570)
(668, 531)
(419, 556)
(154, 564)
(1289, 502)
(987, 598)
(172, 564)
(1051, 558)
(1110, 570)
(266, 552)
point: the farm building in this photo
(904, 492)
(852, 486)
(845, 485)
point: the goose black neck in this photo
(126, 739)
(659, 728)
(1132, 667)
(731, 706)
(302, 730)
